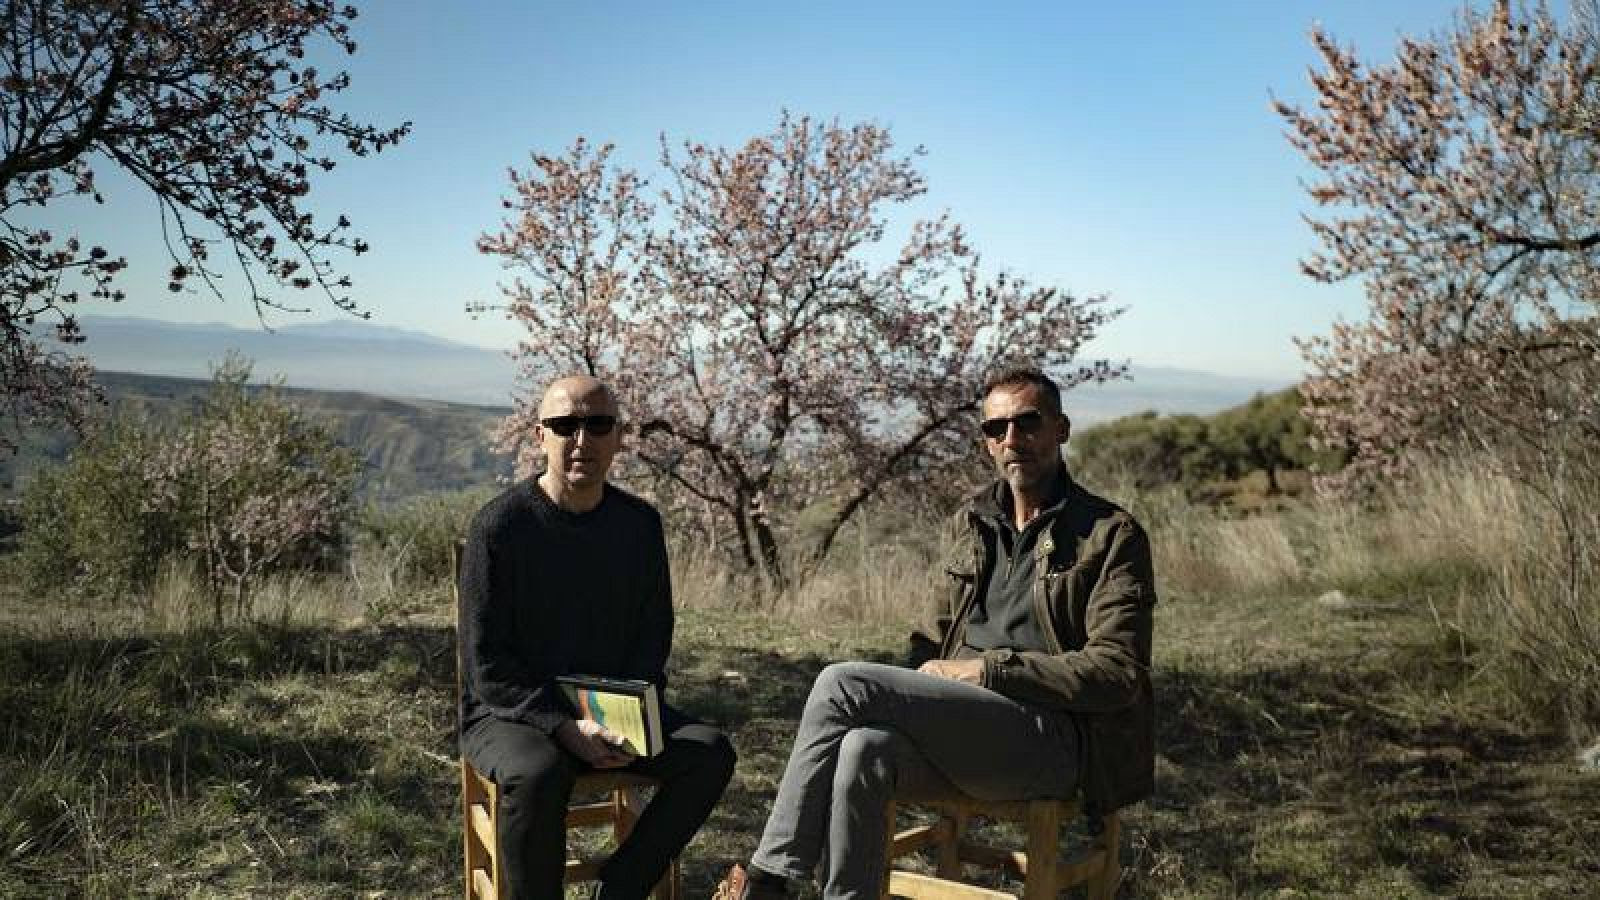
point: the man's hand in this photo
(593, 743)
(967, 670)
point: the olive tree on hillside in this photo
(211, 107)
(775, 349)
(1461, 186)
(1268, 434)
(1147, 450)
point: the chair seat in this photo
(1038, 865)
(618, 810)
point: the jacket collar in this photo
(992, 504)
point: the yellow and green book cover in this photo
(628, 707)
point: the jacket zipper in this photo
(1041, 605)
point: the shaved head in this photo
(580, 435)
(577, 395)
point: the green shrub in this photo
(245, 483)
(417, 534)
(1147, 451)
(88, 524)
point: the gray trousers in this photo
(871, 733)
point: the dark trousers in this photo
(535, 777)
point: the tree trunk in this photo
(746, 553)
(870, 486)
(771, 563)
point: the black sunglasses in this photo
(1028, 423)
(567, 426)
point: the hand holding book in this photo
(624, 708)
(595, 744)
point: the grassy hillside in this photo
(410, 446)
(1340, 714)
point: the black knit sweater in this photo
(547, 592)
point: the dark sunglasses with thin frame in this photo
(1027, 423)
(567, 426)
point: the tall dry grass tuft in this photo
(1539, 619)
(177, 601)
(1200, 549)
(881, 571)
(887, 586)
(1491, 556)
(703, 578)
(1460, 516)
(1549, 621)
(1480, 552)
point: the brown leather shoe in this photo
(738, 885)
(732, 885)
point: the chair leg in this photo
(466, 834)
(952, 826)
(667, 887)
(480, 801)
(1042, 881)
(625, 807)
(1102, 885)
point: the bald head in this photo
(578, 432)
(580, 395)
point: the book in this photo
(628, 707)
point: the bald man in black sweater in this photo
(567, 574)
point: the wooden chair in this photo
(480, 811)
(1040, 867)
(619, 810)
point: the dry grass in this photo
(1394, 744)
(866, 580)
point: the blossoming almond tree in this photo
(210, 106)
(1466, 175)
(773, 349)
(258, 485)
(1464, 183)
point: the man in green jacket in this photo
(1032, 677)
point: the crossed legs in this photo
(873, 732)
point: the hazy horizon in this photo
(1127, 149)
(352, 355)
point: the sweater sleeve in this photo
(1118, 621)
(497, 674)
(647, 658)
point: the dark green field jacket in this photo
(1095, 595)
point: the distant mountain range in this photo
(420, 409)
(396, 363)
(410, 446)
(330, 356)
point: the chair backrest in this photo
(455, 594)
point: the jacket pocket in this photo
(1067, 591)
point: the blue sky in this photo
(1126, 148)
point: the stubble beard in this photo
(1031, 478)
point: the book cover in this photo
(629, 708)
